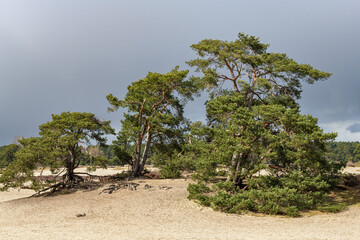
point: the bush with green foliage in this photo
(170, 171)
(286, 197)
(172, 163)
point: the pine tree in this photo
(155, 113)
(60, 146)
(256, 125)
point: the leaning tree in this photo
(60, 147)
(155, 107)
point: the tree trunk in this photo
(69, 176)
(136, 161)
(136, 166)
(141, 160)
(146, 150)
(139, 142)
(237, 179)
(236, 168)
(70, 166)
(234, 161)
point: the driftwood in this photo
(165, 187)
(113, 188)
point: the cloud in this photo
(354, 128)
(341, 128)
(68, 55)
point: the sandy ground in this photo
(154, 214)
(99, 171)
(352, 170)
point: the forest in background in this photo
(337, 151)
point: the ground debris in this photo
(147, 186)
(114, 187)
(165, 187)
(81, 215)
(154, 175)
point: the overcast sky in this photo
(67, 55)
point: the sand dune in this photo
(156, 214)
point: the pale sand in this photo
(352, 170)
(155, 214)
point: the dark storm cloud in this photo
(355, 128)
(68, 55)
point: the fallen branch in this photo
(53, 187)
(113, 188)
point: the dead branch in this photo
(113, 188)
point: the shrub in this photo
(279, 199)
(198, 192)
(333, 208)
(170, 171)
